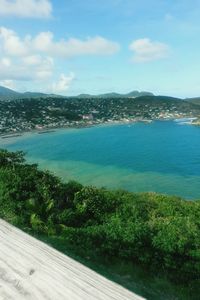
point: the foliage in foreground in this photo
(150, 228)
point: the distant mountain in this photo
(8, 94)
(138, 94)
(32, 94)
(160, 98)
(195, 100)
(132, 94)
(85, 96)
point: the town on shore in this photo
(45, 114)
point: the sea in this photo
(162, 156)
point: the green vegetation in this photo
(195, 100)
(148, 228)
(53, 112)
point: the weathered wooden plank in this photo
(30, 269)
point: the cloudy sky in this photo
(91, 46)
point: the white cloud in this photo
(74, 47)
(11, 44)
(27, 68)
(26, 8)
(63, 83)
(8, 84)
(44, 70)
(38, 61)
(146, 50)
(20, 60)
(5, 62)
(31, 58)
(44, 43)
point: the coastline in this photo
(11, 134)
(47, 130)
(76, 157)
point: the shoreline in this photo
(116, 177)
(11, 134)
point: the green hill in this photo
(132, 94)
(8, 94)
(156, 230)
(5, 92)
(195, 100)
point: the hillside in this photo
(152, 229)
(133, 94)
(5, 92)
(158, 232)
(53, 112)
(195, 100)
(8, 94)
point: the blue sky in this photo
(74, 46)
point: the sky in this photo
(71, 47)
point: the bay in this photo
(162, 156)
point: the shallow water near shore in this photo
(162, 157)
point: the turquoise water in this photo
(161, 156)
